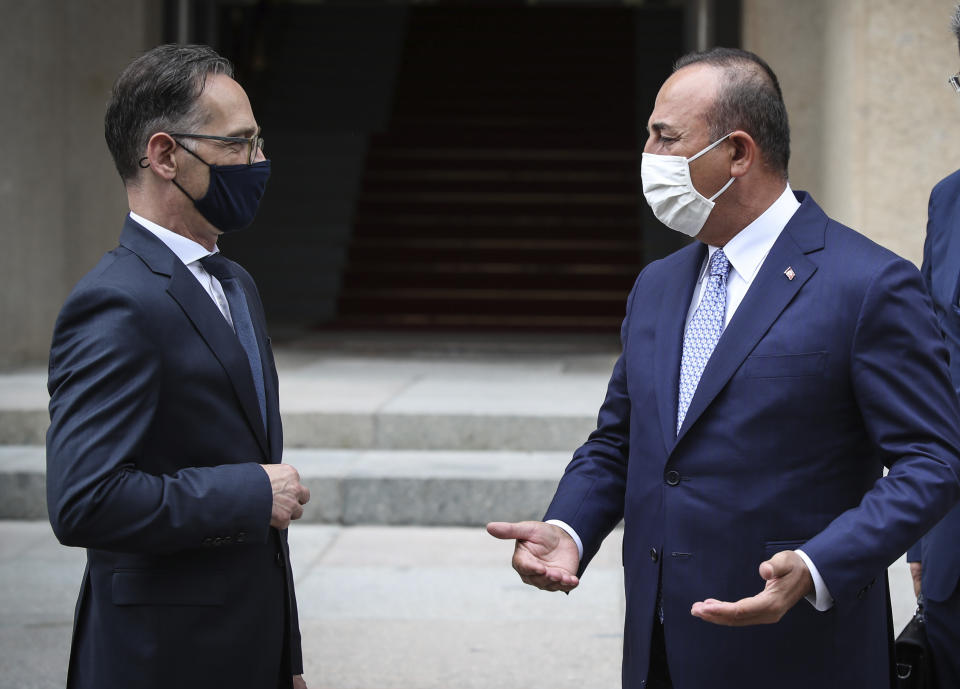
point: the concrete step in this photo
(438, 400)
(383, 430)
(389, 429)
(348, 487)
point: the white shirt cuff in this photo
(821, 598)
(573, 534)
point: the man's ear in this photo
(160, 158)
(745, 153)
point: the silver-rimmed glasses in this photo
(254, 142)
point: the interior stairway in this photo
(504, 193)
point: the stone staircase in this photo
(408, 430)
(504, 191)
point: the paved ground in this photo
(380, 608)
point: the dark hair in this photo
(955, 22)
(749, 99)
(157, 92)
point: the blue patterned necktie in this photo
(219, 268)
(703, 332)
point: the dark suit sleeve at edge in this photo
(926, 270)
(911, 412)
(103, 391)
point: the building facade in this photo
(874, 126)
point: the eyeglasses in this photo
(954, 81)
(255, 142)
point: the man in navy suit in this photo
(164, 447)
(770, 370)
(936, 562)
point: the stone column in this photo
(874, 123)
(61, 200)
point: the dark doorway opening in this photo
(465, 166)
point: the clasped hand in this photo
(289, 495)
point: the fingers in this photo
(787, 576)
(303, 495)
(552, 580)
(746, 611)
(712, 610)
(289, 495)
(540, 556)
(787, 581)
(528, 565)
(916, 573)
(537, 573)
(781, 564)
(524, 531)
(285, 509)
(561, 579)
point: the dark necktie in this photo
(221, 269)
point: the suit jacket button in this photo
(653, 554)
(279, 560)
(208, 541)
(673, 478)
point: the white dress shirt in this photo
(746, 253)
(190, 252)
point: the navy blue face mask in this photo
(234, 194)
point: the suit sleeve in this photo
(926, 270)
(590, 497)
(912, 415)
(103, 383)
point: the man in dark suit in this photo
(164, 448)
(769, 372)
(935, 563)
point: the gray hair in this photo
(157, 92)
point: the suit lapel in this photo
(669, 338)
(771, 292)
(184, 288)
(223, 342)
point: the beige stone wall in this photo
(875, 124)
(61, 201)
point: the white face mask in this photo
(669, 191)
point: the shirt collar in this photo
(186, 249)
(751, 245)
